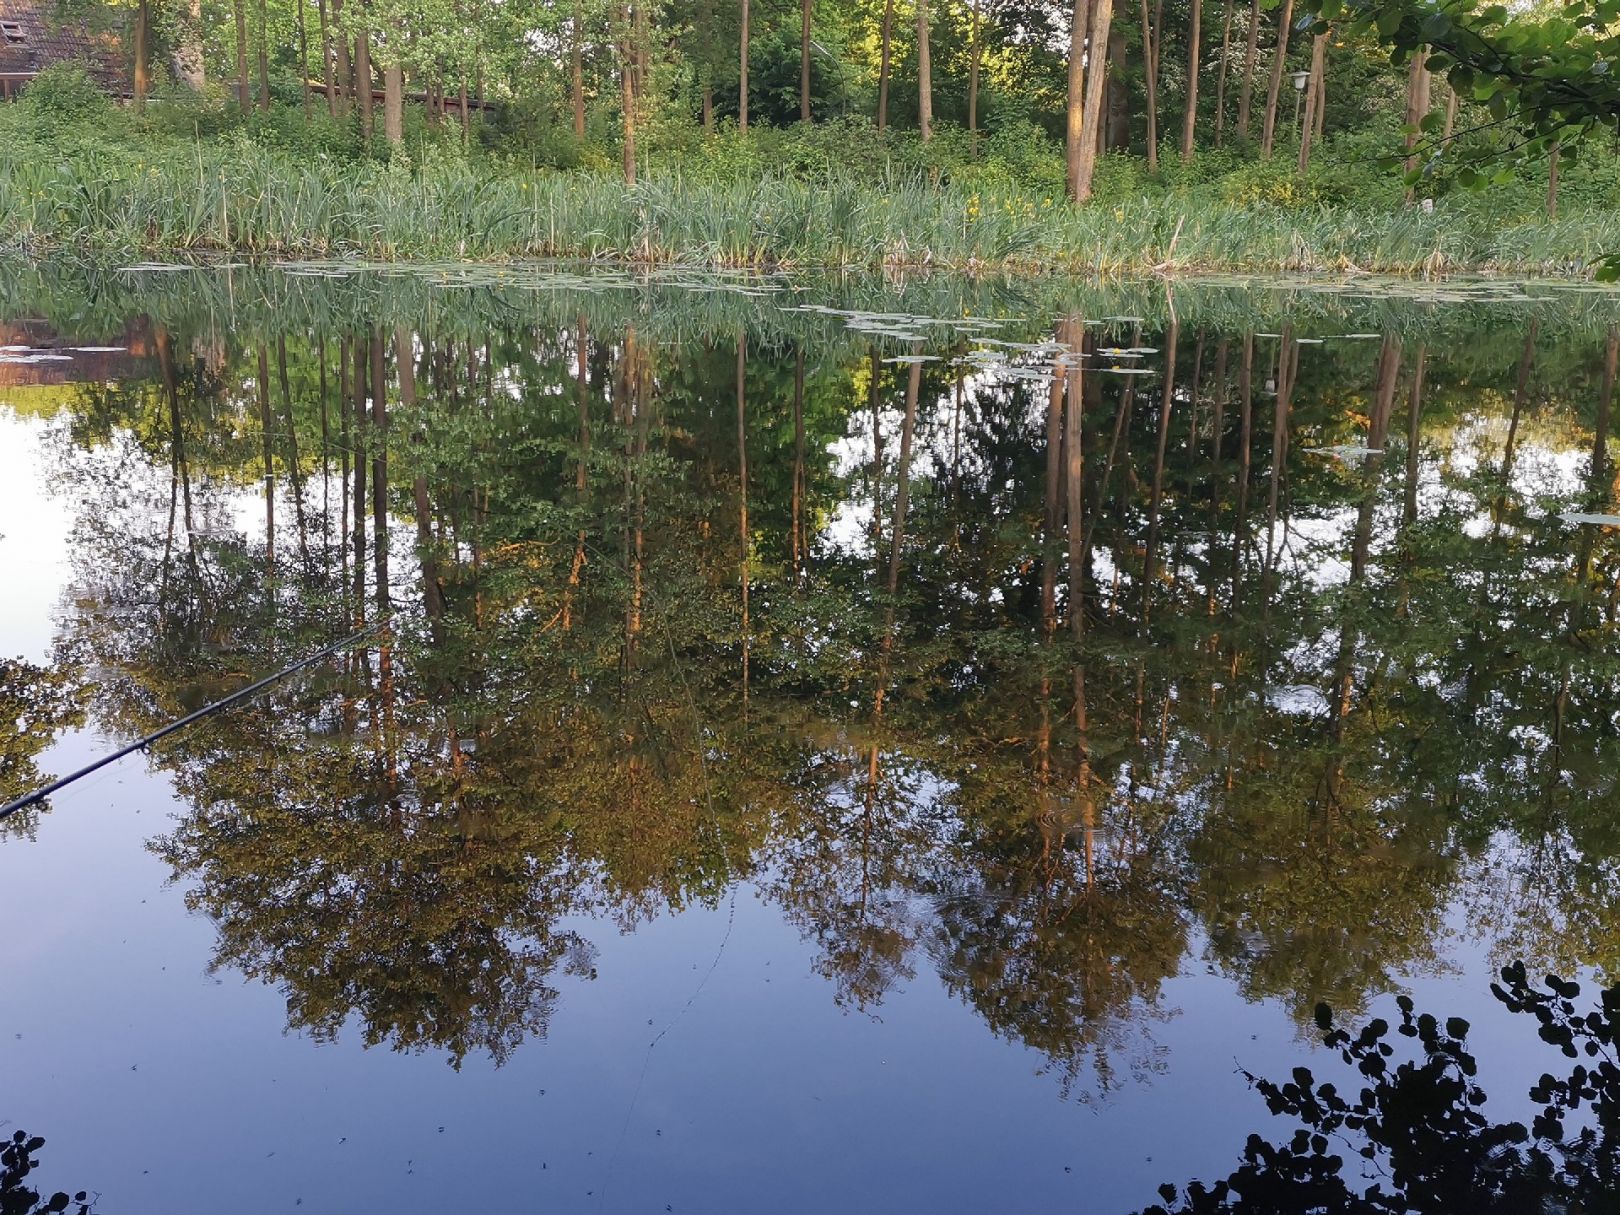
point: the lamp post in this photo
(1299, 91)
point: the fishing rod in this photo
(140, 744)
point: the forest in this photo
(971, 135)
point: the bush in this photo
(64, 99)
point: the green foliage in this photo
(63, 100)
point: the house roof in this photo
(32, 39)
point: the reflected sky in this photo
(959, 865)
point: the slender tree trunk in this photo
(466, 118)
(1150, 77)
(243, 92)
(925, 76)
(394, 104)
(804, 60)
(326, 62)
(303, 59)
(1268, 129)
(1102, 13)
(576, 88)
(1321, 97)
(1312, 101)
(143, 19)
(742, 495)
(269, 465)
(264, 58)
(1075, 111)
(1451, 116)
(1117, 94)
(797, 545)
(1220, 77)
(885, 36)
(362, 82)
(342, 66)
(975, 54)
(1251, 50)
(742, 74)
(627, 95)
(1189, 124)
(1552, 180)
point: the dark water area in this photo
(859, 746)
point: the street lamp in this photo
(1299, 91)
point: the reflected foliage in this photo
(1014, 670)
(1416, 1138)
(17, 1197)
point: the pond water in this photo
(789, 774)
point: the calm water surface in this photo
(790, 775)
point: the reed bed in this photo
(238, 198)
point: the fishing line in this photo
(140, 744)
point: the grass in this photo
(234, 196)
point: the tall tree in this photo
(925, 76)
(243, 94)
(1250, 53)
(804, 60)
(1190, 123)
(885, 36)
(1084, 166)
(1150, 77)
(742, 73)
(1220, 76)
(1268, 129)
(1313, 101)
(975, 55)
(576, 81)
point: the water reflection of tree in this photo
(1078, 691)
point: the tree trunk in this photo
(975, 53)
(804, 60)
(1190, 122)
(708, 109)
(326, 62)
(466, 119)
(362, 82)
(627, 96)
(264, 59)
(243, 93)
(1075, 112)
(1321, 96)
(884, 43)
(576, 88)
(1220, 78)
(188, 53)
(1150, 77)
(1118, 93)
(742, 74)
(1417, 107)
(1246, 88)
(1102, 13)
(1552, 181)
(742, 492)
(143, 19)
(342, 65)
(394, 104)
(925, 80)
(303, 58)
(1312, 102)
(1268, 128)
(1451, 116)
